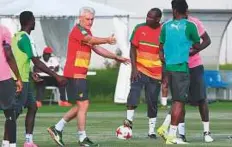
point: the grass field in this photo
(103, 119)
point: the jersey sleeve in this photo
(78, 33)
(6, 35)
(163, 34)
(192, 32)
(25, 46)
(135, 37)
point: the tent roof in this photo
(56, 8)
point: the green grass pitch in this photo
(103, 119)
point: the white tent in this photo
(55, 19)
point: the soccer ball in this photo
(123, 132)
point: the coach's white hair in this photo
(86, 9)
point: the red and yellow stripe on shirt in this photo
(146, 40)
(78, 55)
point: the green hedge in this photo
(226, 67)
(102, 86)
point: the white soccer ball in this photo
(123, 132)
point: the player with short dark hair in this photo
(177, 37)
(197, 90)
(146, 68)
(24, 51)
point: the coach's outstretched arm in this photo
(107, 54)
(91, 40)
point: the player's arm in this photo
(107, 54)
(161, 45)
(133, 53)
(133, 56)
(206, 41)
(25, 45)
(192, 34)
(11, 60)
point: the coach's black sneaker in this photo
(152, 136)
(207, 137)
(182, 137)
(56, 135)
(128, 123)
(88, 143)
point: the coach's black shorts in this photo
(77, 90)
(197, 89)
(25, 98)
(7, 94)
(179, 85)
(152, 90)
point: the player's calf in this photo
(10, 125)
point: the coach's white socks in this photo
(5, 143)
(181, 128)
(172, 130)
(82, 135)
(152, 122)
(130, 114)
(167, 121)
(206, 126)
(12, 145)
(164, 101)
(60, 125)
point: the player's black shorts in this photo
(197, 89)
(7, 94)
(77, 90)
(152, 90)
(25, 98)
(178, 83)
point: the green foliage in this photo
(226, 67)
(102, 86)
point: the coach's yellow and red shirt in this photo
(78, 54)
(146, 39)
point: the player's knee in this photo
(201, 102)
(82, 103)
(33, 108)
(10, 116)
(83, 106)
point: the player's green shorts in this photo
(179, 85)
